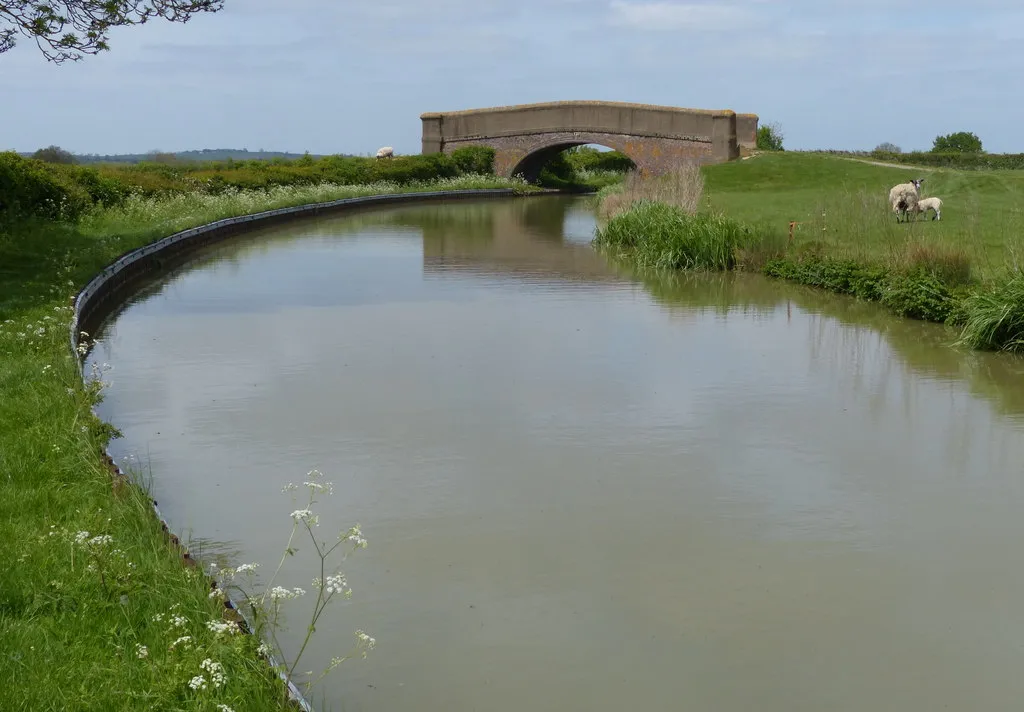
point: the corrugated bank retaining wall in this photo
(101, 296)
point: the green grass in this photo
(843, 205)
(964, 270)
(660, 236)
(71, 620)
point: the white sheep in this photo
(903, 198)
(386, 152)
(933, 203)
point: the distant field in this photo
(843, 203)
(206, 154)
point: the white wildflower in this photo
(220, 628)
(290, 487)
(216, 671)
(141, 651)
(336, 584)
(179, 621)
(245, 568)
(264, 649)
(366, 641)
(279, 592)
(81, 537)
(185, 641)
(355, 535)
(303, 515)
(197, 683)
(101, 540)
(224, 708)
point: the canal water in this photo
(584, 489)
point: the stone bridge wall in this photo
(746, 130)
(526, 136)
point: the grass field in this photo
(843, 204)
(964, 270)
(97, 612)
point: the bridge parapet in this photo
(655, 137)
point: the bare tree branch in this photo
(70, 29)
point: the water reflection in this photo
(585, 488)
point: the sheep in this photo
(386, 152)
(903, 197)
(934, 203)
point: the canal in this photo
(584, 489)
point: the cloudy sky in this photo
(334, 76)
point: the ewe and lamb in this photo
(905, 199)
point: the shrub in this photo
(29, 189)
(54, 154)
(959, 142)
(558, 172)
(842, 276)
(769, 137)
(919, 295)
(586, 158)
(474, 159)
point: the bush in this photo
(54, 154)
(587, 158)
(955, 160)
(769, 137)
(32, 188)
(28, 189)
(959, 142)
(474, 159)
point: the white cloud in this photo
(676, 16)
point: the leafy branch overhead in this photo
(69, 30)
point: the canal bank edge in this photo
(104, 293)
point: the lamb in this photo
(934, 203)
(386, 152)
(903, 197)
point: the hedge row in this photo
(963, 161)
(32, 188)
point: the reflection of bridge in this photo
(656, 138)
(523, 240)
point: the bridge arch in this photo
(655, 138)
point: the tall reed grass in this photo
(682, 188)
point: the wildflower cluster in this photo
(266, 608)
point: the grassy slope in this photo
(983, 211)
(69, 633)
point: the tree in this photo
(960, 142)
(54, 154)
(70, 29)
(887, 147)
(769, 137)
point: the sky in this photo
(329, 76)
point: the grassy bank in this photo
(97, 612)
(963, 270)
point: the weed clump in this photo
(993, 318)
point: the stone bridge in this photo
(657, 138)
